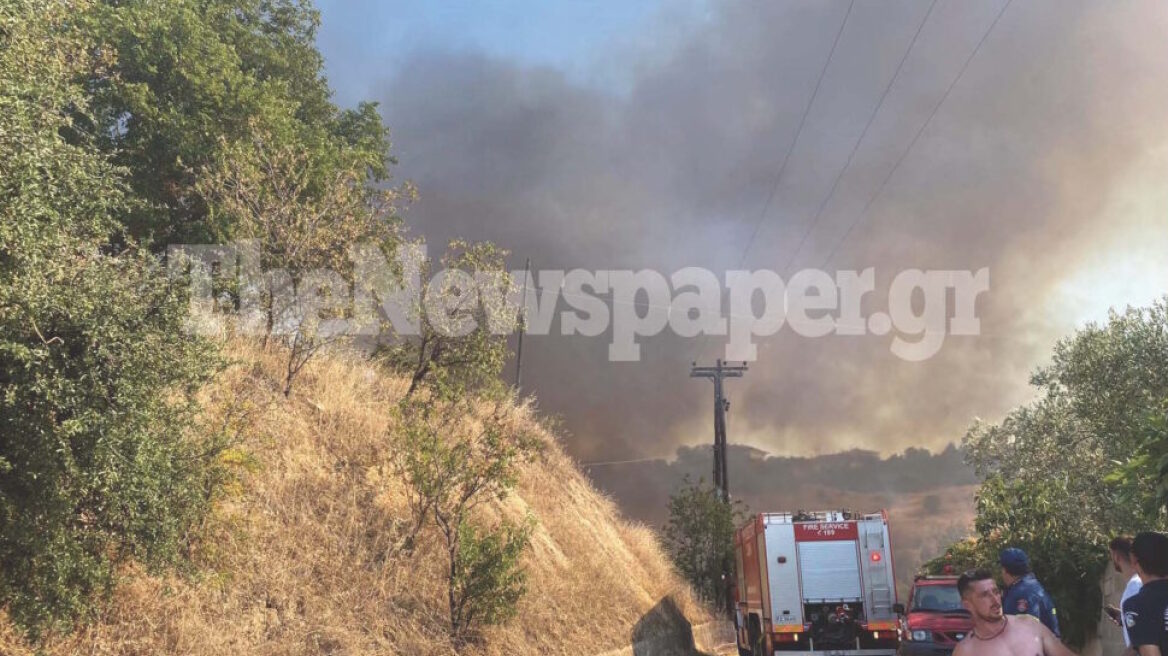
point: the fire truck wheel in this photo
(742, 651)
(753, 636)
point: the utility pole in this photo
(716, 374)
(522, 329)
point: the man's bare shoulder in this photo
(1028, 622)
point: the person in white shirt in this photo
(1121, 559)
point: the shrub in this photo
(97, 377)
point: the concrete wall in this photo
(704, 639)
(1110, 640)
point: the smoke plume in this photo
(1045, 163)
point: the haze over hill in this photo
(929, 496)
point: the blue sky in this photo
(365, 41)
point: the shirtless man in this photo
(995, 634)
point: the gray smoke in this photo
(1041, 165)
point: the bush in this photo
(97, 376)
(455, 455)
(700, 539)
(487, 581)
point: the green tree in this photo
(700, 538)
(456, 454)
(304, 225)
(465, 314)
(1080, 464)
(189, 80)
(486, 580)
(97, 376)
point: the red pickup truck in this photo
(934, 621)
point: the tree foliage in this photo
(456, 454)
(190, 80)
(700, 538)
(304, 223)
(129, 125)
(1080, 464)
(96, 374)
(459, 347)
(487, 580)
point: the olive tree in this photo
(464, 313)
(304, 215)
(1083, 462)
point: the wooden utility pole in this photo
(522, 329)
(716, 374)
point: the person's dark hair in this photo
(970, 577)
(1150, 550)
(1121, 545)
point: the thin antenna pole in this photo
(522, 328)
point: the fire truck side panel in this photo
(830, 571)
(879, 582)
(764, 575)
(739, 576)
(786, 604)
(749, 579)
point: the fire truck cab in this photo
(816, 582)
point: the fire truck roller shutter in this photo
(830, 571)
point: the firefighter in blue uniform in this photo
(1024, 595)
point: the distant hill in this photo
(929, 496)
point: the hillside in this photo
(297, 556)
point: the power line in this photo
(787, 157)
(856, 146)
(620, 462)
(798, 132)
(880, 190)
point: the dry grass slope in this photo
(299, 560)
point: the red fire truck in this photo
(816, 582)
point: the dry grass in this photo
(299, 558)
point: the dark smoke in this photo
(1035, 167)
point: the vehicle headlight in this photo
(920, 636)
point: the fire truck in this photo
(816, 582)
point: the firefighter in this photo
(1024, 594)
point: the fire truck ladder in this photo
(876, 581)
